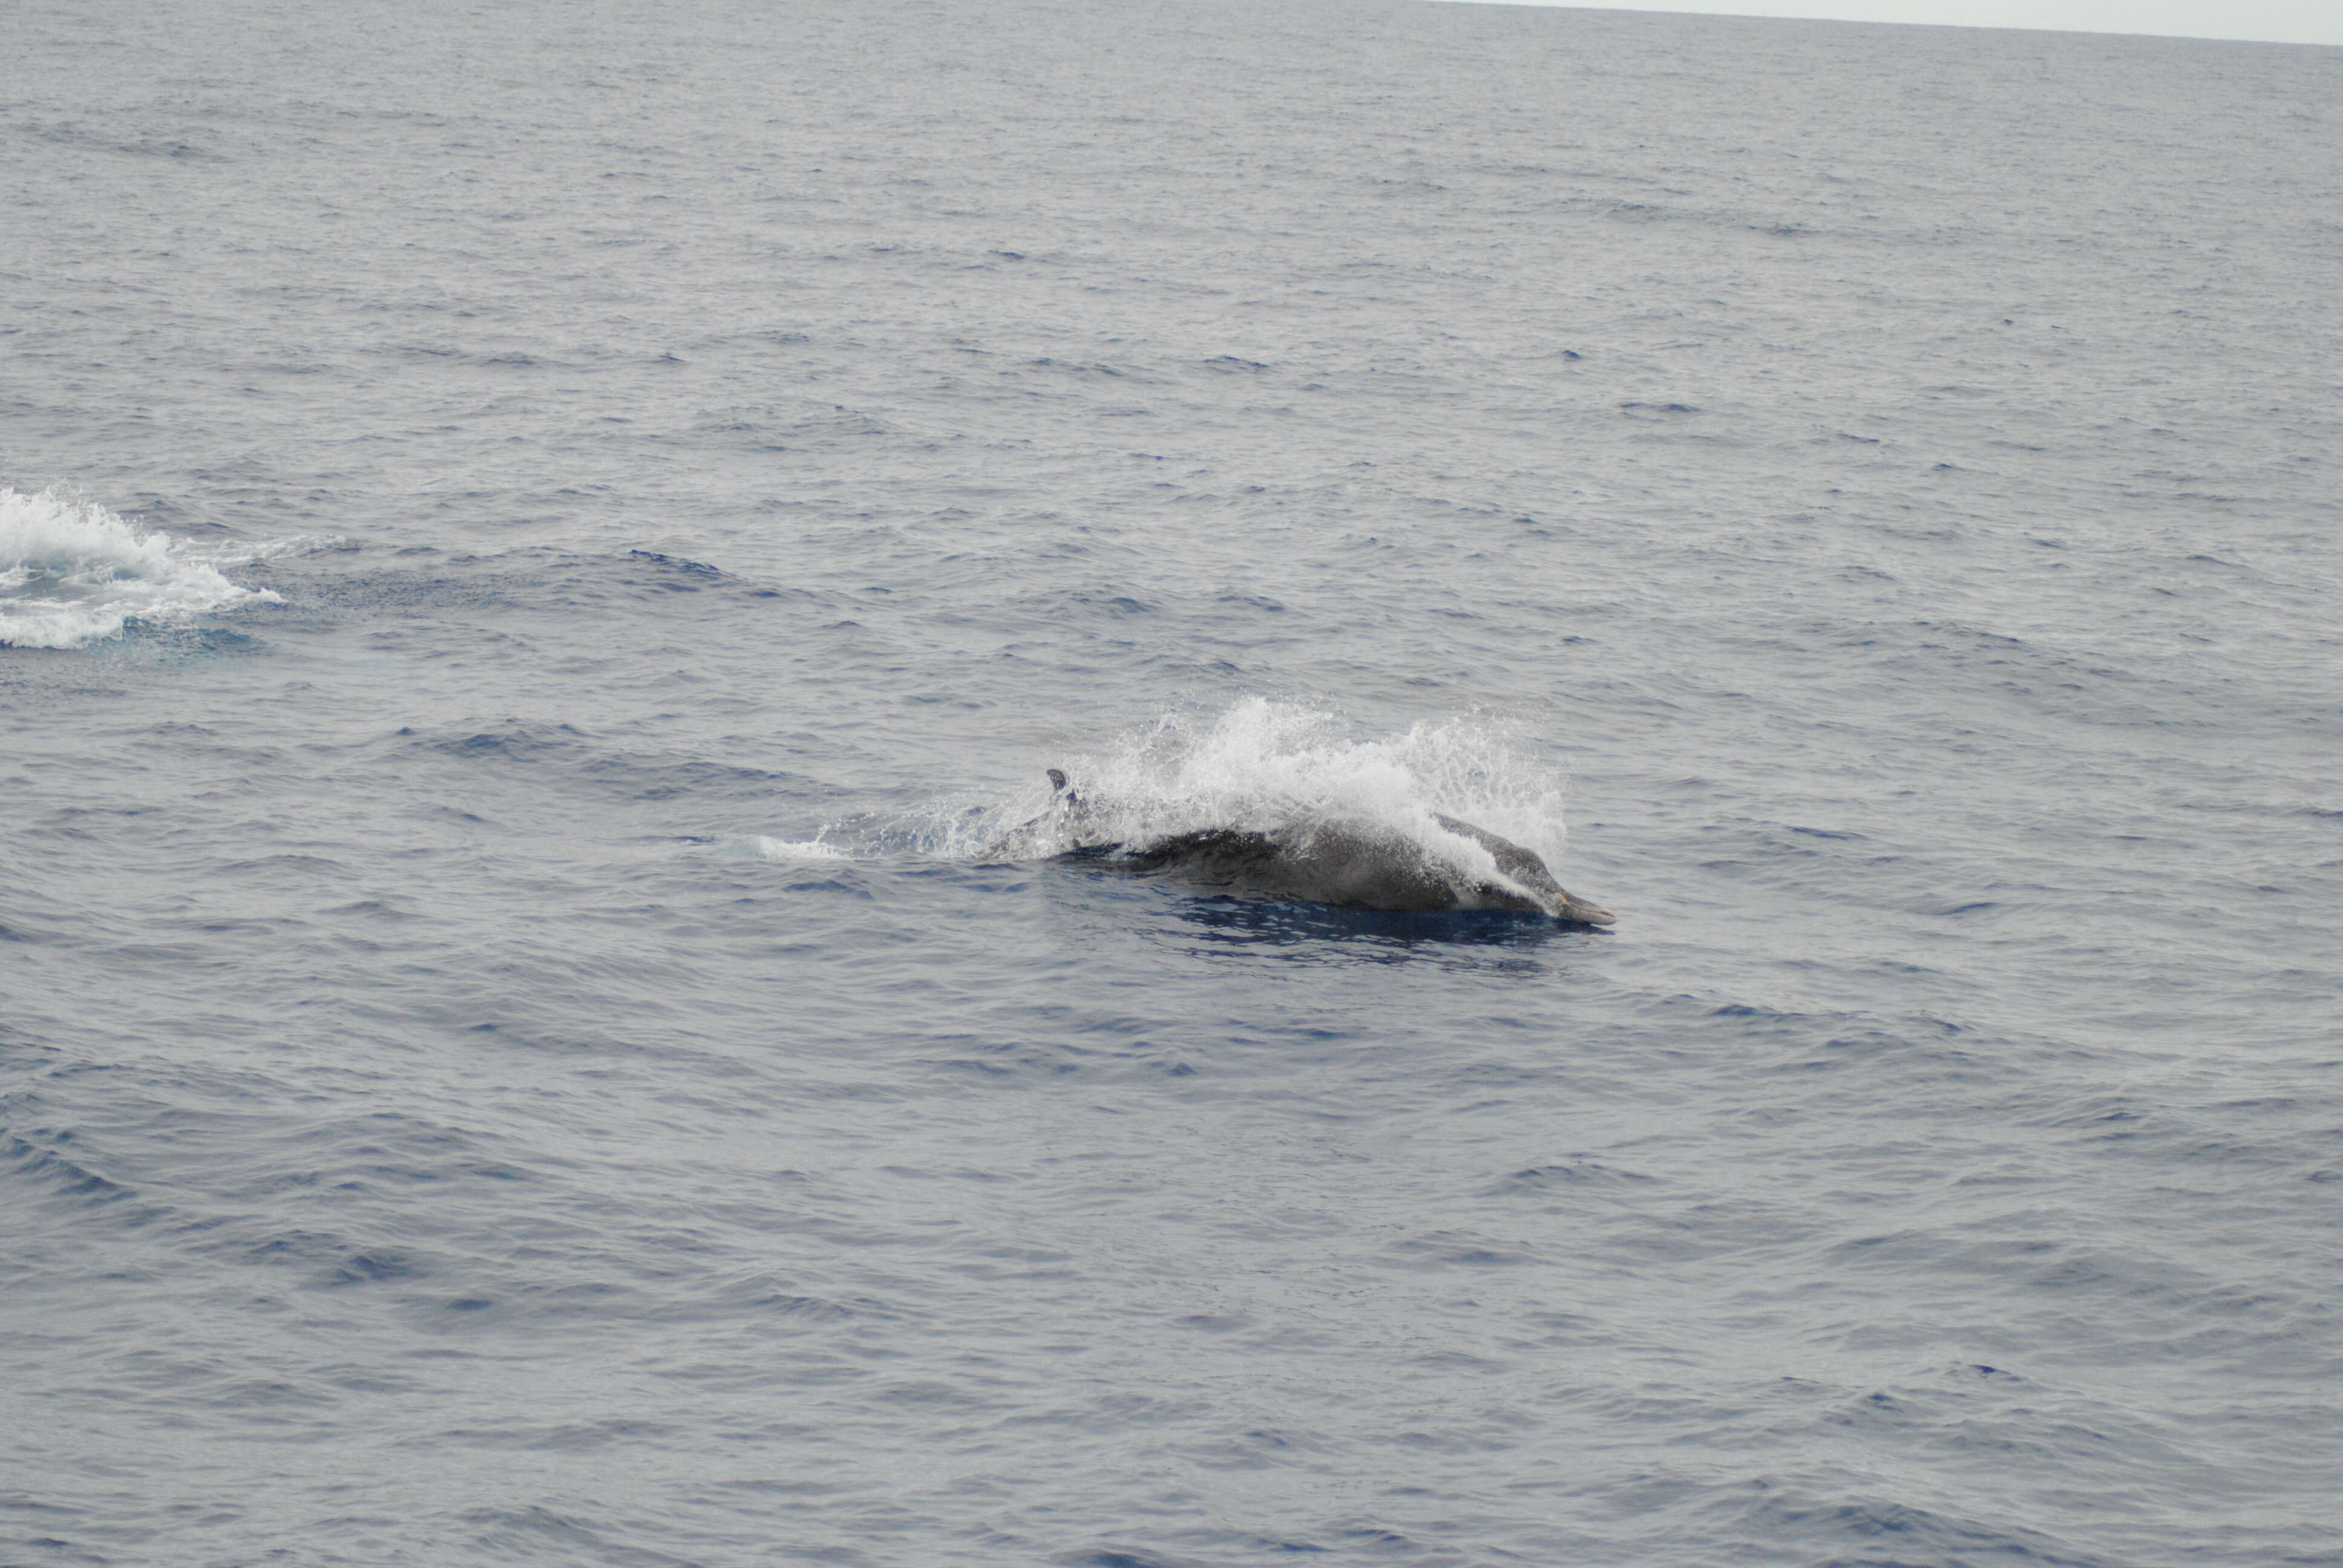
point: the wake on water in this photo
(72, 573)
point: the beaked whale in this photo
(1354, 863)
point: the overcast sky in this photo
(2274, 20)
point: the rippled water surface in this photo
(546, 550)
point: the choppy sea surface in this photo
(543, 547)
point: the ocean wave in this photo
(71, 573)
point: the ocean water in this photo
(545, 548)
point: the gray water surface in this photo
(517, 1043)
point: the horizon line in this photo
(1677, 8)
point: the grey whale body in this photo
(1355, 865)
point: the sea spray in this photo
(72, 572)
(1260, 765)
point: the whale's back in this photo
(1354, 863)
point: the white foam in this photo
(244, 552)
(809, 849)
(72, 572)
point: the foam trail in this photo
(807, 850)
(72, 572)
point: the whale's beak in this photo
(1579, 913)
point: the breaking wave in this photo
(71, 572)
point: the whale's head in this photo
(1577, 912)
(1528, 880)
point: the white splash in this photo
(72, 572)
(1264, 765)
